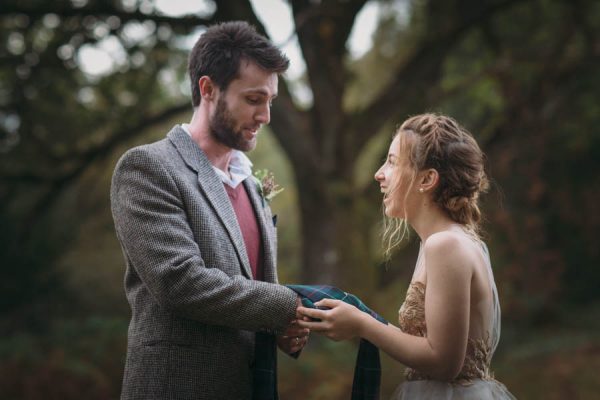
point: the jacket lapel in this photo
(267, 240)
(213, 190)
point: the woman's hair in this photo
(439, 142)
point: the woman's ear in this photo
(428, 180)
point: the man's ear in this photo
(429, 180)
(207, 88)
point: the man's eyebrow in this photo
(262, 92)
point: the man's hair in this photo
(219, 51)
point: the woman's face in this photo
(394, 177)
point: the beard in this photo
(222, 129)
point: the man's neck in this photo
(218, 154)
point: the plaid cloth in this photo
(367, 373)
(264, 386)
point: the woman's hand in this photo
(341, 322)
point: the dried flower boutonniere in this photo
(267, 187)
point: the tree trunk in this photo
(335, 235)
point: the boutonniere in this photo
(265, 181)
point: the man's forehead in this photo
(254, 79)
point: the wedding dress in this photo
(475, 380)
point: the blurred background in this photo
(81, 81)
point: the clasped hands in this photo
(333, 318)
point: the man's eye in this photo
(253, 100)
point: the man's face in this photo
(244, 107)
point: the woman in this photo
(450, 319)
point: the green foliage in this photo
(523, 79)
(57, 123)
(533, 106)
(72, 358)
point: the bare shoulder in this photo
(446, 243)
(449, 251)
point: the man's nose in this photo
(263, 114)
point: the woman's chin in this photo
(393, 212)
(390, 212)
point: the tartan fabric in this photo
(367, 373)
(311, 294)
(264, 386)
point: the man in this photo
(198, 240)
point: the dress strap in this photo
(420, 264)
(495, 324)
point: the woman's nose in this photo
(379, 176)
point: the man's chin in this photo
(246, 145)
(249, 144)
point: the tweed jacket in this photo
(194, 305)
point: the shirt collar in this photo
(240, 166)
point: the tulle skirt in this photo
(477, 389)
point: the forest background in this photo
(522, 75)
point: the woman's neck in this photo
(429, 220)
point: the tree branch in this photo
(553, 69)
(322, 31)
(241, 10)
(87, 158)
(99, 9)
(411, 91)
(290, 127)
(59, 183)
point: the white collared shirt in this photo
(240, 166)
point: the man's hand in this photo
(295, 337)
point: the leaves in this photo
(266, 184)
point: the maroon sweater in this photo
(249, 227)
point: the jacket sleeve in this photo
(156, 238)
